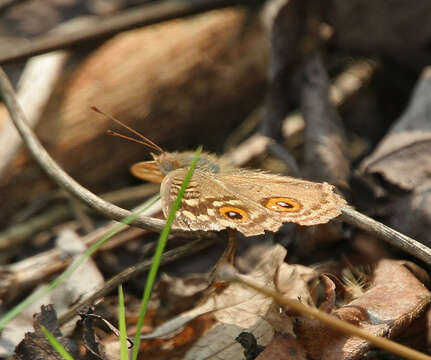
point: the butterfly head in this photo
(171, 161)
(167, 161)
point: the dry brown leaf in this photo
(403, 159)
(177, 295)
(72, 290)
(293, 28)
(283, 346)
(326, 153)
(395, 298)
(36, 346)
(328, 302)
(238, 308)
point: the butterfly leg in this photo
(228, 256)
(229, 253)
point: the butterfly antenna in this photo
(147, 142)
(113, 133)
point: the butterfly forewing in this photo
(208, 204)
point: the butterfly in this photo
(219, 196)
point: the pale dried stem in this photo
(17, 234)
(130, 272)
(32, 270)
(386, 233)
(36, 84)
(344, 87)
(103, 27)
(230, 274)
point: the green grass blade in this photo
(122, 324)
(17, 309)
(56, 344)
(159, 251)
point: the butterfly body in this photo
(220, 197)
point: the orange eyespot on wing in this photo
(283, 204)
(234, 213)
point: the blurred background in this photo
(335, 91)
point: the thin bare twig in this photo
(16, 277)
(104, 27)
(283, 154)
(229, 273)
(343, 88)
(57, 174)
(111, 284)
(36, 84)
(19, 233)
(248, 149)
(386, 233)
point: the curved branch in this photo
(386, 233)
(128, 273)
(104, 26)
(57, 174)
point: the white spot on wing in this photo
(188, 214)
(217, 203)
(203, 217)
(191, 202)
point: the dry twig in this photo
(32, 270)
(37, 82)
(17, 234)
(229, 273)
(169, 256)
(343, 88)
(386, 233)
(104, 27)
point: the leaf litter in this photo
(400, 167)
(392, 300)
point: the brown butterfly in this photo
(220, 197)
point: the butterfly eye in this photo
(234, 213)
(283, 204)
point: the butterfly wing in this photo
(210, 204)
(248, 201)
(147, 170)
(287, 199)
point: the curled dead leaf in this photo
(394, 299)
